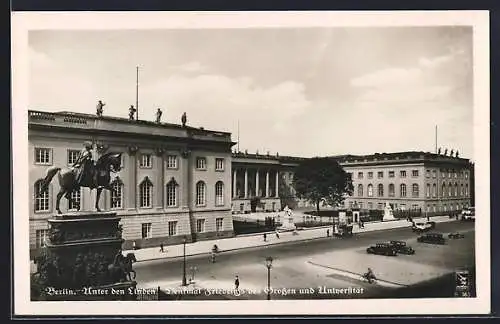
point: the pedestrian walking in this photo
(277, 235)
(327, 233)
(236, 283)
(265, 237)
(161, 247)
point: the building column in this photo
(277, 176)
(160, 190)
(257, 183)
(132, 188)
(235, 174)
(246, 183)
(267, 183)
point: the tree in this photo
(322, 178)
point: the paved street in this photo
(323, 262)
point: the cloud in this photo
(191, 67)
(387, 77)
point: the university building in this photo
(179, 181)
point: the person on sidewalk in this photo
(236, 283)
(265, 237)
(277, 234)
(161, 247)
(327, 233)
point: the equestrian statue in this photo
(121, 268)
(84, 173)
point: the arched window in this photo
(380, 190)
(466, 190)
(444, 208)
(42, 199)
(370, 190)
(391, 190)
(403, 190)
(200, 193)
(415, 190)
(434, 190)
(360, 190)
(456, 189)
(462, 193)
(117, 193)
(219, 193)
(172, 186)
(428, 190)
(443, 190)
(75, 202)
(450, 190)
(145, 193)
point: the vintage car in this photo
(402, 247)
(422, 227)
(432, 238)
(382, 249)
(456, 235)
(469, 214)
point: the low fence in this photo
(254, 225)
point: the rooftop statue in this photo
(184, 119)
(158, 115)
(99, 108)
(131, 112)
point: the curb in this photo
(275, 243)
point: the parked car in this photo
(456, 235)
(432, 238)
(421, 227)
(382, 249)
(402, 247)
(469, 214)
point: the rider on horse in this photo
(83, 163)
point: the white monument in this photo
(388, 215)
(288, 223)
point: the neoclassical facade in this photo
(175, 181)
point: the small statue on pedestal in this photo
(99, 108)
(131, 112)
(158, 115)
(184, 119)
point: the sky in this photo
(297, 91)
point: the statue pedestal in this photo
(75, 264)
(388, 215)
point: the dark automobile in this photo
(456, 235)
(432, 238)
(401, 247)
(382, 249)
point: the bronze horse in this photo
(121, 268)
(98, 177)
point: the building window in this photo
(43, 155)
(466, 190)
(145, 193)
(146, 231)
(219, 164)
(434, 190)
(444, 208)
(41, 238)
(172, 193)
(414, 206)
(360, 190)
(218, 224)
(391, 190)
(117, 194)
(449, 174)
(380, 174)
(42, 199)
(428, 190)
(434, 173)
(172, 162)
(146, 161)
(403, 190)
(391, 174)
(402, 206)
(172, 228)
(381, 190)
(415, 190)
(360, 175)
(455, 174)
(201, 163)
(370, 175)
(73, 156)
(443, 174)
(450, 190)
(76, 200)
(200, 225)
(200, 193)
(462, 193)
(370, 206)
(380, 206)
(219, 193)
(456, 189)
(370, 190)
(360, 204)
(428, 175)
(402, 174)
(466, 175)
(414, 173)
(443, 190)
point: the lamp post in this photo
(269, 264)
(184, 283)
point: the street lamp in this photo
(269, 264)
(184, 283)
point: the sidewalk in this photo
(256, 240)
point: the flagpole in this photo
(238, 135)
(137, 92)
(436, 140)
